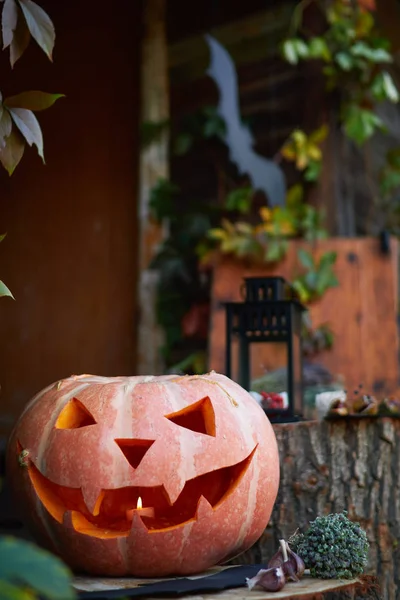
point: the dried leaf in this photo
(39, 25)
(9, 19)
(5, 126)
(29, 126)
(12, 152)
(33, 100)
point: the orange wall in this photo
(69, 256)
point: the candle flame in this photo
(139, 504)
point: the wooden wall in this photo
(362, 311)
(69, 256)
(272, 93)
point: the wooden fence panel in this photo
(362, 310)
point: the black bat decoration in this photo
(264, 174)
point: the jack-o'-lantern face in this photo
(139, 459)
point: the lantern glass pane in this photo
(269, 370)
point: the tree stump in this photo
(331, 466)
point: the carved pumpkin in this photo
(196, 452)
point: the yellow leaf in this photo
(314, 152)
(319, 134)
(228, 226)
(217, 234)
(244, 228)
(259, 229)
(299, 137)
(302, 161)
(294, 195)
(287, 228)
(265, 214)
(289, 152)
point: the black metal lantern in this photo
(269, 314)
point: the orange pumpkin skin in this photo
(198, 450)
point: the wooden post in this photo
(153, 165)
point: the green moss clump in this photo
(333, 547)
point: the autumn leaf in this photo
(9, 19)
(18, 125)
(15, 32)
(5, 291)
(40, 25)
(12, 152)
(5, 125)
(29, 126)
(32, 100)
(22, 19)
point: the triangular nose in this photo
(134, 450)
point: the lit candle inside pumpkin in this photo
(142, 511)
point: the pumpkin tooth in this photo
(173, 488)
(92, 497)
(204, 509)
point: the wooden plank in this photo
(305, 589)
(249, 40)
(153, 166)
(70, 253)
(362, 310)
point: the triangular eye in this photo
(74, 415)
(198, 417)
(134, 450)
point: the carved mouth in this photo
(112, 514)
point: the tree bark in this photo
(328, 467)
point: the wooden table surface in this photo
(306, 589)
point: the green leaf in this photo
(344, 60)
(318, 48)
(393, 158)
(239, 200)
(2, 236)
(40, 26)
(389, 87)
(302, 291)
(289, 52)
(12, 152)
(383, 88)
(306, 259)
(32, 100)
(360, 123)
(182, 144)
(15, 32)
(151, 131)
(294, 196)
(4, 291)
(24, 563)
(375, 55)
(8, 591)
(328, 258)
(276, 250)
(390, 181)
(162, 201)
(301, 48)
(313, 170)
(29, 126)
(214, 127)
